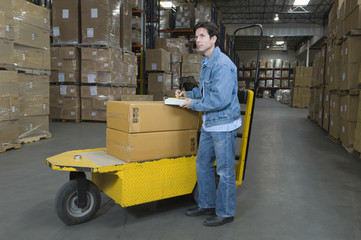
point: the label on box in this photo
(334, 104)
(71, 75)
(31, 126)
(93, 90)
(61, 101)
(106, 65)
(60, 64)
(154, 66)
(343, 76)
(91, 78)
(65, 13)
(56, 31)
(201, 8)
(94, 53)
(341, 108)
(331, 80)
(45, 20)
(105, 103)
(345, 108)
(346, 51)
(33, 36)
(72, 90)
(331, 122)
(94, 13)
(72, 113)
(61, 77)
(44, 106)
(24, 56)
(186, 14)
(7, 28)
(62, 90)
(71, 53)
(90, 32)
(326, 115)
(13, 109)
(31, 84)
(327, 98)
(343, 129)
(94, 114)
(160, 78)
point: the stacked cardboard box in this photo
(301, 92)
(204, 12)
(357, 132)
(126, 25)
(9, 110)
(334, 127)
(136, 30)
(184, 17)
(191, 65)
(135, 133)
(157, 64)
(348, 118)
(164, 19)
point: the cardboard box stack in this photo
(204, 12)
(164, 19)
(301, 92)
(191, 65)
(9, 110)
(136, 30)
(135, 133)
(184, 17)
(157, 64)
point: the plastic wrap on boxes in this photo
(9, 84)
(203, 12)
(270, 63)
(262, 74)
(136, 22)
(101, 22)
(262, 83)
(9, 133)
(278, 95)
(247, 74)
(269, 83)
(285, 73)
(266, 94)
(253, 64)
(6, 26)
(31, 14)
(286, 96)
(277, 83)
(286, 64)
(29, 35)
(192, 58)
(9, 107)
(34, 126)
(29, 57)
(269, 73)
(284, 83)
(136, 36)
(125, 25)
(164, 19)
(277, 73)
(278, 63)
(184, 16)
(7, 51)
(240, 74)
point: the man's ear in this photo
(214, 39)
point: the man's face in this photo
(204, 42)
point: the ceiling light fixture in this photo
(267, 47)
(279, 43)
(271, 35)
(301, 2)
(276, 17)
(166, 4)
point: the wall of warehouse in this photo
(251, 55)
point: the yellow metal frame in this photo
(135, 183)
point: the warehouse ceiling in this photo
(242, 12)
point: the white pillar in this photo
(308, 53)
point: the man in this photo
(217, 99)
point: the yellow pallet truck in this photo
(134, 183)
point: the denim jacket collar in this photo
(210, 62)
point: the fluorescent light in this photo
(301, 2)
(166, 4)
(276, 17)
(271, 36)
(280, 43)
(267, 47)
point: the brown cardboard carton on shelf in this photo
(64, 90)
(170, 44)
(164, 19)
(68, 53)
(157, 60)
(136, 97)
(191, 67)
(126, 25)
(54, 52)
(100, 54)
(65, 21)
(6, 26)
(31, 36)
(353, 20)
(351, 5)
(349, 108)
(100, 92)
(335, 103)
(9, 107)
(326, 120)
(30, 57)
(203, 12)
(33, 126)
(32, 14)
(9, 132)
(352, 52)
(9, 84)
(104, 77)
(159, 82)
(7, 51)
(349, 76)
(135, 117)
(65, 65)
(70, 114)
(55, 112)
(65, 76)
(334, 127)
(34, 105)
(100, 20)
(347, 132)
(192, 58)
(152, 145)
(30, 85)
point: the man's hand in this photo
(180, 94)
(186, 104)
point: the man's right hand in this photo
(180, 94)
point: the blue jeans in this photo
(220, 146)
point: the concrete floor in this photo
(299, 185)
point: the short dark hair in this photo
(211, 27)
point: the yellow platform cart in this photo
(133, 183)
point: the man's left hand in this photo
(186, 104)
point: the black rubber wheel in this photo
(66, 203)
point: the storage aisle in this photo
(299, 185)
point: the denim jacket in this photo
(219, 84)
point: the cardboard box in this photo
(136, 98)
(34, 105)
(64, 90)
(150, 146)
(66, 21)
(32, 14)
(31, 36)
(135, 117)
(29, 57)
(68, 53)
(33, 126)
(357, 139)
(6, 26)
(157, 60)
(335, 127)
(326, 120)
(159, 82)
(101, 92)
(353, 20)
(9, 132)
(33, 85)
(101, 54)
(9, 84)
(7, 51)
(170, 44)
(349, 108)
(164, 17)
(351, 50)
(93, 115)
(349, 76)
(64, 102)
(100, 20)
(65, 65)
(126, 25)
(111, 77)
(351, 5)
(9, 107)
(203, 12)
(335, 103)
(192, 58)
(347, 132)
(65, 76)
